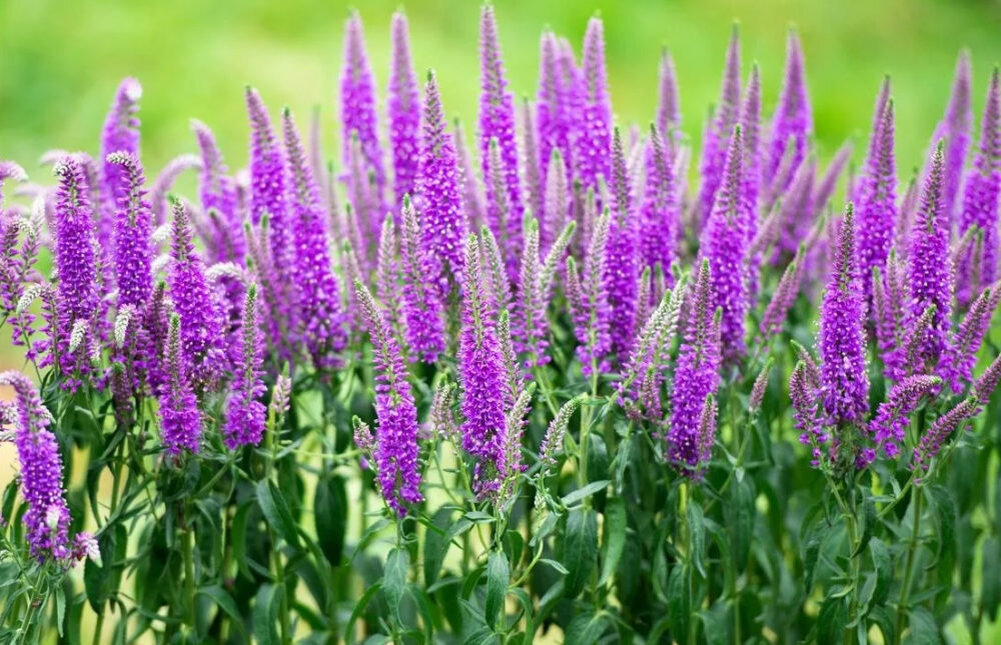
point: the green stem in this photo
(98, 628)
(189, 575)
(856, 568)
(912, 548)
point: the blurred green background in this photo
(60, 61)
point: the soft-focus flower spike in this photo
(824, 189)
(593, 128)
(529, 311)
(359, 118)
(887, 428)
(984, 387)
(750, 125)
(10, 170)
(200, 317)
(980, 197)
(841, 341)
(724, 246)
(439, 198)
(530, 154)
(793, 118)
(511, 459)
(960, 356)
(472, 197)
(940, 431)
(705, 436)
(75, 260)
(441, 418)
(396, 451)
(182, 422)
(494, 270)
(548, 106)
(496, 122)
(316, 163)
(877, 209)
(556, 205)
(47, 518)
(668, 101)
(423, 312)
(929, 271)
(717, 135)
(120, 134)
(622, 255)
(757, 395)
(165, 181)
(133, 249)
(402, 107)
(954, 130)
(512, 374)
(319, 314)
(481, 366)
(245, 414)
(218, 191)
(506, 232)
(696, 375)
(659, 211)
(905, 216)
(795, 216)
(387, 273)
(267, 180)
(805, 399)
(784, 296)
(588, 298)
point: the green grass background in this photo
(60, 61)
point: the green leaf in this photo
(555, 565)
(716, 623)
(349, 628)
(585, 492)
(60, 608)
(679, 602)
(868, 521)
(586, 628)
(696, 535)
(277, 512)
(739, 514)
(580, 549)
(622, 456)
(498, 576)
(614, 537)
(265, 617)
(882, 562)
(226, 603)
(437, 542)
(990, 591)
(331, 507)
(921, 628)
(394, 580)
(831, 621)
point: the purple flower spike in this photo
(593, 139)
(503, 224)
(893, 416)
(47, 518)
(439, 198)
(533, 166)
(940, 431)
(588, 300)
(793, 117)
(725, 116)
(402, 106)
(556, 205)
(182, 422)
(954, 130)
(133, 224)
(929, 271)
(750, 124)
(267, 179)
(622, 261)
(959, 358)
(359, 118)
(218, 193)
(696, 375)
(784, 296)
(319, 309)
(841, 342)
(553, 120)
(245, 414)
(481, 366)
(496, 121)
(669, 101)
(396, 451)
(805, 396)
(120, 134)
(725, 246)
(877, 208)
(422, 308)
(980, 197)
(659, 212)
(200, 316)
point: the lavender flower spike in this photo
(659, 212)
(396, 452)
(358, 115)
(937, 434)
(725, 116)
(954, 129)
(496, 121)
(724, 246)
(960, 356)
(793, 115)
(121, 133)
(784, 296)
(887, 428)
(980, 196)
(877, 209)
(267, 179)
(319, 310)
(669, 101)
(402, 107)
(481, 366)
(133, 223)
(588, 300)
(439, 198)
(182, 423)
(593, 135)
(218, 193)
(422, 308)
(696, 375)
(929, 271)
(622, 262)
(47, 518)
(245, 414)
(841, 341)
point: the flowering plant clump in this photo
(532, 381)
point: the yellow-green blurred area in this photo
(60, 61)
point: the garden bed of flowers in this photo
(547, 377)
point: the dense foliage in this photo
(526, 387)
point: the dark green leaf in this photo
(921, 628)
(580, 549)
(679, 602)
(696, 535)
(739, 514)
(225, 602)
(277, 512)
(266, 607)
(394, 580)
(990, 592)
(586, 491)
(883, 564)
(331, 506)
(498, 576)
(586, 628)
(614, 537)
(831, 621)
(716, 623)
